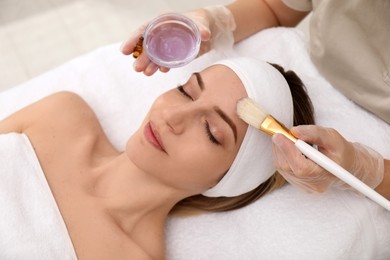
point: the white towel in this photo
(31, 226)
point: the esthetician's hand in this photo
(216, 25)
(215, 34)
(142, 62)
(363, 162)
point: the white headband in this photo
(253, 163)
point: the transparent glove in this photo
(363, 162)
(216, 25)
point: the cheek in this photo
(204, 166)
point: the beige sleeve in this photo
(299, 5)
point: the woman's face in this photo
(191, 134)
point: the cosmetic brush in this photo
(255, 115)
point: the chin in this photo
(142, 154)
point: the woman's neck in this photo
(131, 196)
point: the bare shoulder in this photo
(64, 110)
(68, 111)
(64, 98)
(64, 106)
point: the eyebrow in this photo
(222, 114)
(200, 80)
(227, 119)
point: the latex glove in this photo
(363, 162)
(216, 25)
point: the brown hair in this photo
(303, 115)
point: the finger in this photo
(297, 182)
(299, 170)
(151, 69)
(128, 45)
(301, 182)
(305, 131)
(284, 153)
(141, 63)
(164, 69)
(279, 160)
(298, 163)
(205, 33)
(326, 138)
(309, 183)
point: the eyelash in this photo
(207, 126)
(182, 91)
(210, 135)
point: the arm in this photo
(16, 122)
(59, 111)
(252, 16)
(58, 124)
(34, 114)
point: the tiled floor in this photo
(37, 35)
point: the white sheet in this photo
(287, 224)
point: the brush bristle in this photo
(251, 112)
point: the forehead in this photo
(222, 78)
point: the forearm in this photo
(252, 16)
(384, 187)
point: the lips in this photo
(153, 137)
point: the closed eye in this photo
(210, 135)
(182, 91)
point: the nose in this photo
(178, 118)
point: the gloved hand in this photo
(363, 162)
(216, 25)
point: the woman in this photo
(115, 203)
(338, 31)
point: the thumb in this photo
(205, 33)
